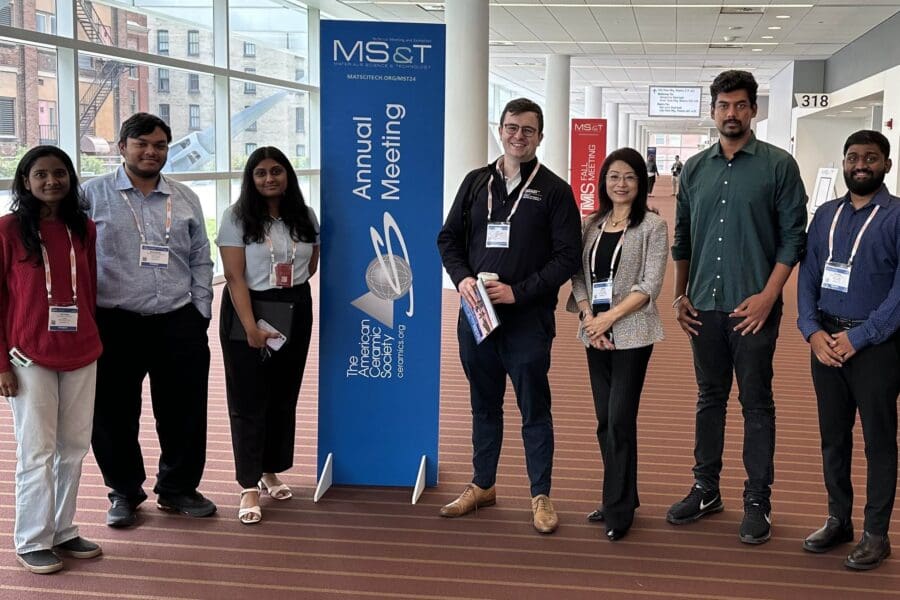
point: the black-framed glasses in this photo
(513, 129)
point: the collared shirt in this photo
(735, 219)
(121, 281)
(873, 295)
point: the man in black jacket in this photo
(519, 220)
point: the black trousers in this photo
(720, 353)
(617, 379)
(262, 393)
(651, 181)
(173, 349)
(869, 383)
(520, 347)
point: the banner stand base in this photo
(420, 481)
(325, 479)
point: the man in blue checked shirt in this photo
(154, 292)
(849, 311)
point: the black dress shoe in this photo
(597, 515)
(122, 513)
(869, 552)
(616, 534)
(192, 505)
(834, 533)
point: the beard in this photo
(866, 186)
(732, 133)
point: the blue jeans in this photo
(520, 348)
(720, 354)
(52, 416)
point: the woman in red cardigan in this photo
(48, 351)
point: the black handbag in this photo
(279, 315)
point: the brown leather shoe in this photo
(545, 519)
(472, 498)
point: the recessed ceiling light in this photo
(782, 16)
(757, 49)
(500, 43)
(774, 28)
(861, 107)
(846, 111)
(768, 37)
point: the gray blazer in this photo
(642, 266)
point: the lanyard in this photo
(272, 248)
(72, 269)
(858, 235)
(615, 255)
(138, 223)
(521, 193)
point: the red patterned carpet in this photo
(363, 543)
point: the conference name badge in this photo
(63, 318)
(154, 257)
(282, 275)
(836, 277)
(602, 292)
(497, 235)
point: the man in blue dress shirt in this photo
(849, 312)
(154, 293)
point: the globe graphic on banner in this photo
(379, 277)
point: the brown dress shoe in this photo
(472, 498)
(545, 519)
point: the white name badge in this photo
(497, 235)
(63, 318)
(836, 277)
(154, 257)
(602, 292)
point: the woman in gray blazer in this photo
(625, 246)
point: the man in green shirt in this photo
(740, 227)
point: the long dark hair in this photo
(639, 207)
(72, 210)
(251, 209)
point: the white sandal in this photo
(252, 514)
(277, 492)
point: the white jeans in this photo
(53, 416)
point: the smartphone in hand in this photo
(274, 343)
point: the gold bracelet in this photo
(677, 300)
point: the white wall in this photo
(781, 99)
(820, 143)
(762, 130)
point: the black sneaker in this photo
(78, 547)
(698, 503)
(192, 505)
(40, 561)
(121, 513)
(756, 527)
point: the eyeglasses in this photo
(513, 129)
(615, 179)
(869, 159)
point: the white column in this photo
(593, 102)
(632, 131)
(466, 93)
(556, 115)
(612, 126)
(622, 138)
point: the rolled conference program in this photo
(484, 276)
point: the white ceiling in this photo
(625, 45)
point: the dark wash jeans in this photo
(520, 348)
(720, 355)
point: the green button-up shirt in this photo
(735, 219)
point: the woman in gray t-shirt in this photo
(269, 241)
